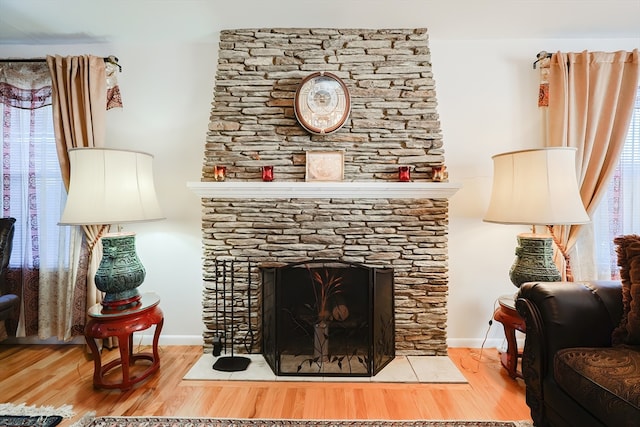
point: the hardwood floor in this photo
(62, 374)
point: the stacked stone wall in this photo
(393, 122)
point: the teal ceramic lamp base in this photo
(534, 260)
(120, 272)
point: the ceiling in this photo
(116, 21)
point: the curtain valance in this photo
(25, 85)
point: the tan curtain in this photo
(79, 113)
(591, 96)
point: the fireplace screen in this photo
(328, 318)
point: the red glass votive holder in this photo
(404, 173)
(219, 173)
(267, 173)
(440, 173)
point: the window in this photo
(32, 189)
(619, 211)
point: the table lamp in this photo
(536, 187)
(109, 187)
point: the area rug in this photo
(223, 422)
(32, 416)
(402, 369)
(24, 421)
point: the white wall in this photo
(487, 93)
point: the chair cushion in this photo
(8, 302)
(606, 381)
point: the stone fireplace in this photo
(369, 218)
(404, 227)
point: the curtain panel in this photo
(591, 98)
(80, 100)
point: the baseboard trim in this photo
(146, 339)
(477, 342)
(50, 341)
(173, 339)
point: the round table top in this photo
(147, 301)
(507, 301)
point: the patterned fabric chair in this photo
(8, 302)
(574, 375)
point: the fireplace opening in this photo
(327, 318)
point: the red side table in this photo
(507, 314)
(122, 324)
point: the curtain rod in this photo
(111, 59)
(541, 55)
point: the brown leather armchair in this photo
(573, 374)
(8, 302)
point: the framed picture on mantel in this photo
(325, 166)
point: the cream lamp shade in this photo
(110, 186)
(536, 187)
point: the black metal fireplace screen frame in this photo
(327, 318)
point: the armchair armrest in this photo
(7, 304)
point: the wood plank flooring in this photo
(62, 374)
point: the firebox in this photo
(327, 318)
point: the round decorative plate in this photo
(322, 103)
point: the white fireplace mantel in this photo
(324, 190)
